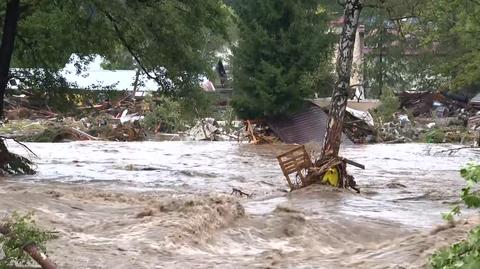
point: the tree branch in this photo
(129, 48)
(31, 249)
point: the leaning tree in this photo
(167, 40)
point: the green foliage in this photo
(50, 90)
(471, 174)
(229, 116)
(50, 31)
(170, 40)
(164, 112)
(197, 104)
(282, 44)
(173, 42)
(389, 105)
(397, 59)
(176, 114)
(452, 27)
(464, 254)
(435, 136)
(23, 231)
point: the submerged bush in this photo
(435, 136)
(23, 230)
(173, 114)
(389, 105)
(464, 254)
(164, 114)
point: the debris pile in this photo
(209, 129)
(359, 127)
(258, 132)
(107, 120)
(428, 104)
(431, 117)
(400, 130)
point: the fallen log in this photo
(31, 249)
(80, 134)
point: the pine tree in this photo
(282, 47)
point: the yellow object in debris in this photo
(331, 177)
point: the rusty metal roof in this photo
(362, 105)
(474, 122)
(307, 125)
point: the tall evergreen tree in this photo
(282, 47)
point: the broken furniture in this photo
(295, 162)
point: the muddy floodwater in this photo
(169, 205)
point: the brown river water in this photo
(169, 205)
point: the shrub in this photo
(24, 230)
(464, 254)
(389, 105)
(163, 112)
(435, 136)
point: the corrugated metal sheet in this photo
(474, 122)
(475, 100)
(362, 105)
(310, 124)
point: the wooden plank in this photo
(359, 165)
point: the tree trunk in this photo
(12, 16)
(331, 145)
(380, 73)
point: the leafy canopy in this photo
(168, 40)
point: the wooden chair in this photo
(295, 162)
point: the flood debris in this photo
(432, 117)
(307, 125)
(8, 231)
(238, 192)
(423, 103)
(258, 132)
(295, 165)
(310, 123)
(475, 102)
(108, 120)
(14, 164)
(209, 129)
(205, 129)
